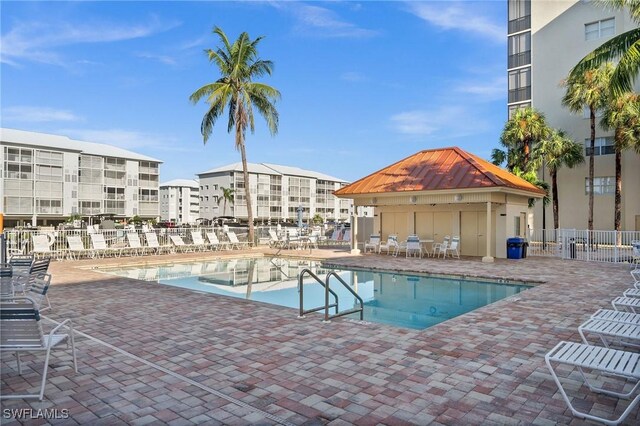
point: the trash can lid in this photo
(515, 240)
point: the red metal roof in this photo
(437, 169)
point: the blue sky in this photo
(363, 84)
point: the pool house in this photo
(447, 191)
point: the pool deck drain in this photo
(486, 367)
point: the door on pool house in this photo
(394, 223)
(473, 233)
(433, 225)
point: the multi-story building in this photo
(47, 178)
(180, 201)
(545, 40)
(277, 193)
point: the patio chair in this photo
(76, 248)
(21, 264)
(293, 240)
(346, 236)
(198, 241)
(215, 242)
(635, 259)
(373, 243)
(621, 332)
(233, 240)
(453, 248)
(22, 332)
(625, 365)
(441, 247)
(38, 291)
(180, 245)
(391, 245)
(636, 277)
(631, 292)
(153, 244)
(100, 246)
(413, 247)
(274, 240)
(628, 304)
(41, 246)
(618, 316)
(7, 288)
(135, 246)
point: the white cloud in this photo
(29, 114)
(352, 76)
(322, 22)
(442, 123)
(38, 41)
(165, 59)
(456, 16)
(493, 89)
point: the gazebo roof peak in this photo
(438, 169)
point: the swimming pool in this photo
(403, 300)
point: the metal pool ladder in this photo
(327, 290)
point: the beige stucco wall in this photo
(558, 43)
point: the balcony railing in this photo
(520, 59)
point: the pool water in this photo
(402, 300)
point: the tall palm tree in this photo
(557, 151)
(238, 65)
(227, 196)
(589, 90)
(623, 48)
(522, 132)
(622, 115)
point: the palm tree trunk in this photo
(554, 195)
(247, 191)
(618, 195)
(224, 207)
(592, 117)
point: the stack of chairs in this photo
(619, 327)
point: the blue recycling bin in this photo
(515, 247)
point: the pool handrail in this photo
(326, 306)
(328, 317)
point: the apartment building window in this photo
(514, 108)
(18, 163)
(519, 50)
(49, 206)
(519, 85)
(600, 29)
(90, 207)
(49, 157)
(149, 195)
(519, 15)
(603, 146)
(601, 185)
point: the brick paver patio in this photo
(153, 354)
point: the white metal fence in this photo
(590, 246)
(20, 241)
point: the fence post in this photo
(3, 248)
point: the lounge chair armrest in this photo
(59, 326)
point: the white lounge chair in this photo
(100, 246)
(180, 245)
(274, 240)
(621, 332)
(152, 243)
(439, 248)
(22, 332)
(453, 248)
(215, 242)
(135, 246)
(631, 292)
(623, 364)
(373, 244)
(233, 240)
(198, 241)
(76, 248)
(7, 288)
(293, 239)
(38, 289)
(611, 315)
(629, 304)
(21, 264)
(41, 246)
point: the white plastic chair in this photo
(215, 242)
(198, 241)
(413, 247)
(373, 243)
(233, 240)
(453, 248)
(135, 246)
(152, 243)
(76, 247)
(441, 248)
(391, 245)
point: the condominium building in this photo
(277, 192)
(47, 178)
(545, 40)
(180, 201)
